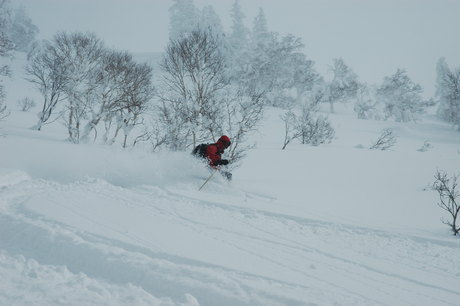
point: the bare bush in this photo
(386, 140)
(313, 129)
(317, 131)
(308, 128)
(193, 76)
(26, 104)
(448, 195)
(425, 147)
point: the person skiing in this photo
(213, 154)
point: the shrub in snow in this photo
(308, 128)
(386, 140)
(448, 195)
(26, 104)
(426, 146)
(317, 131)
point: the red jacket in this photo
(214, 152)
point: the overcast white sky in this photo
(374, 37)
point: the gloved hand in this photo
(222, 162)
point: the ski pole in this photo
(208, 179)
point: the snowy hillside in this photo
(337, 224)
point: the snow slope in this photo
(336, 224)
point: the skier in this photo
(213, 153)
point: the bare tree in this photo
(386, 140)
(289, 120)
(123, 89)
(21, 29)
(194, 73)
(47, 70)
(138, 91)
(82, 55)
(448, 194)
(109, 81)
(243, 113)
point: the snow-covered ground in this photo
(337, 224)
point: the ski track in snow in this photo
(290, 260)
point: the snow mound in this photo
(56, 285)
(12, 177)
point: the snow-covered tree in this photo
(183, 18)
(273, 68)
(210, 20)
(448, 93)
(365, 105)
(21, 30)
(344, 84)
(260, 33)
(238, 38)
(17, 26)
(401, 97)
(6, 47)
(304, 77)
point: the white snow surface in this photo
(337, 224)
